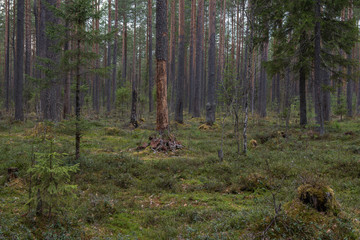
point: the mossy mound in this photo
(253, 143)
(319, 197)
(41, 130)
(208, 127)
(302, 221)
(263, 138)
(250, 183)
(112, 131)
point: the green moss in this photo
(319, 196)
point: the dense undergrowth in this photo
(189, 194)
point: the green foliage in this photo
(341, 109)
(293, 22)
(123, 98)
(51, 179)
(189, 195)
(228, 87)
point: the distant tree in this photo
(172, 55)
(309, 34)
(211, 105)
(199, 57)
(7, 55)
(179, 107)
(114, 60)
(317, 67)
(150, 66)
(133, 115)
(108, 63)
(50, 95)
(19, 63)
(124, 47)
(192, 55)
(78, 59)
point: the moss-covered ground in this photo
(189, 194)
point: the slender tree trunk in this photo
(181, 65)
(317, 68)
(358, 89)
(28, 37)
(124, 49)
(133, 116)
(172, 69)
(192, 55)
(326, 95)
(114, 69)
(67, 83)
(263, 81)
(302, 81)
(204, 62)
(12, 71)
(7, 54)
(222, 44)
(250, 22)
(349, 90)
(77, 102)
(51, 95)
(199, 56)
(211, 104)
(19, 61)
(151, 81)
(277, 92)
(108, 79)
(162, 118)
(97, 64)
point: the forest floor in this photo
(124, 193)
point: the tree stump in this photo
(13, 173)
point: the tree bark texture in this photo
(199, 56)
(19, 61)
(211, 103)
(179, 107)
(162, 120)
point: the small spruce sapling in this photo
(340, 108)
(50, 178)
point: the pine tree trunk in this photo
(263, 81)
(51, 95)
(114, 69)
(317, 68)
(349, 90)
(199, 57)
(7, 54)
(172, 69)
(133, 116)
(192, 55)
(108, 79)
(222, 44)
(181, 65)
(211, 104)
(302, 82)
(151, 81)
(19, 71)
(204, 62)
(67, 83)
(162, 119)
(97, 65)
(77, 102)
(28, 37)
(124, 50)
(326, 95)
(250, 22)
